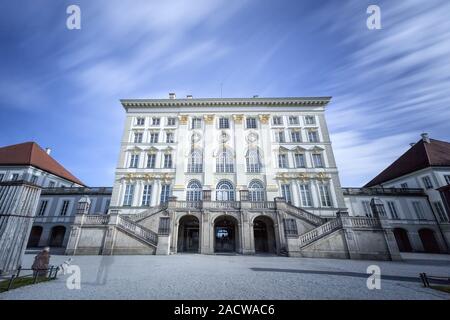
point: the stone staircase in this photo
(320, 232)
(136, 230)
(146, 214)
(305, 215)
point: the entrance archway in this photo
(57, 236)
(264, 235)
(35, 237)
(226, 234)
(401, 236)
(188, 234)
(428, 241)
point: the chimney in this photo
(172, 95)
(412, 144)
(189, 96)
(48, 150)
(425, 137)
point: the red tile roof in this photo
(29, 153)
(422, 155)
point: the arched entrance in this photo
(401, 236)
(57, 236)
(35, 237)
(225, 234)
(264, 235)
(188, 234)
(429, 241)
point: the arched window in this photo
(225, 191)
(256, 191)
(253, 160)
(194, 191)
(225, 161)
(195, 161)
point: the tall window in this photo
(283, 161)
(367, 208)
(286, 192)
(196, 123)
(224, 123)
(296, 136)
(128, 196)
(305, 195)
(156, 121)
(310, 120)
(43, 207)
(15, 177)
(318, 160)
(171, 121)
(134, 161)
(418, 209)
(147, 195)
(325, 197)
(225, 162)
(293, 120)
(138, 137)
(151, 160)
(194, 191)
(34, 179)
(140, 121)
(195, 163)
(277, 121)
(225, 191)
(154, 137)
(251, 123)
(440, 211)
(168, 161)
(64, 208)
(256, 191)
(51, 184)
(253, 160)
(392, 210)
(427, 182)
(2, 176)
(165, 193)
(170, 137)
(313, 136)
(279, 136)
(300, 160)
(447, 179)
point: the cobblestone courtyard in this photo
(235, 277)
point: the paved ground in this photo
(236, 277)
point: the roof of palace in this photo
(30, 153)
(422, 155)
(257, 101)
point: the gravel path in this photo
(234, 277)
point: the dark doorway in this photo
(429, 241)
(401, 236)
(35, 237)
(264, 235)
(225, 233)
(57, 236)
(188, 234)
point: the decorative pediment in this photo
(168, 150)
(299, 149)
(317, 149)
(322, 176)
(283, 150)
(152, 150)
(134, 149)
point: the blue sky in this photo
(61, 88)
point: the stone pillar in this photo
(18, 203)
(74, 236)
(205, 225)
(163, 247)
(108, 244)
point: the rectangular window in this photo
(290, 227)
(169, 137)
(2, 176)
(140, 121)
(325, 198)
(164, 226)
(446, 177)
(300, 160)
(151, 160)
(51, 184)
(440, 211)
(279, 137)
(318, 160)
(165, 193)
(134, 161)
(296, 136)
(305, 195)
(108, 202)
(251, 123)
(427, 182)
(156, 121)
(167, 161)
(171, 121)
(43, 207)
(15, 177)
(293, 120)
(154, 137)
(147, 195)
(418, 209)
(128, 196)
(367, 209)
(392, 210)
(224, 123)
(282, 161)
(138, 137)
(310, 120)
(64, 208)
(196, 123)
(286, 192)
(34, 179)
(404, 185)
(277, 121)
(313, 136)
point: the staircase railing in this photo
(320, 231)
(145, 214)
(308, 216)
(139, 231)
